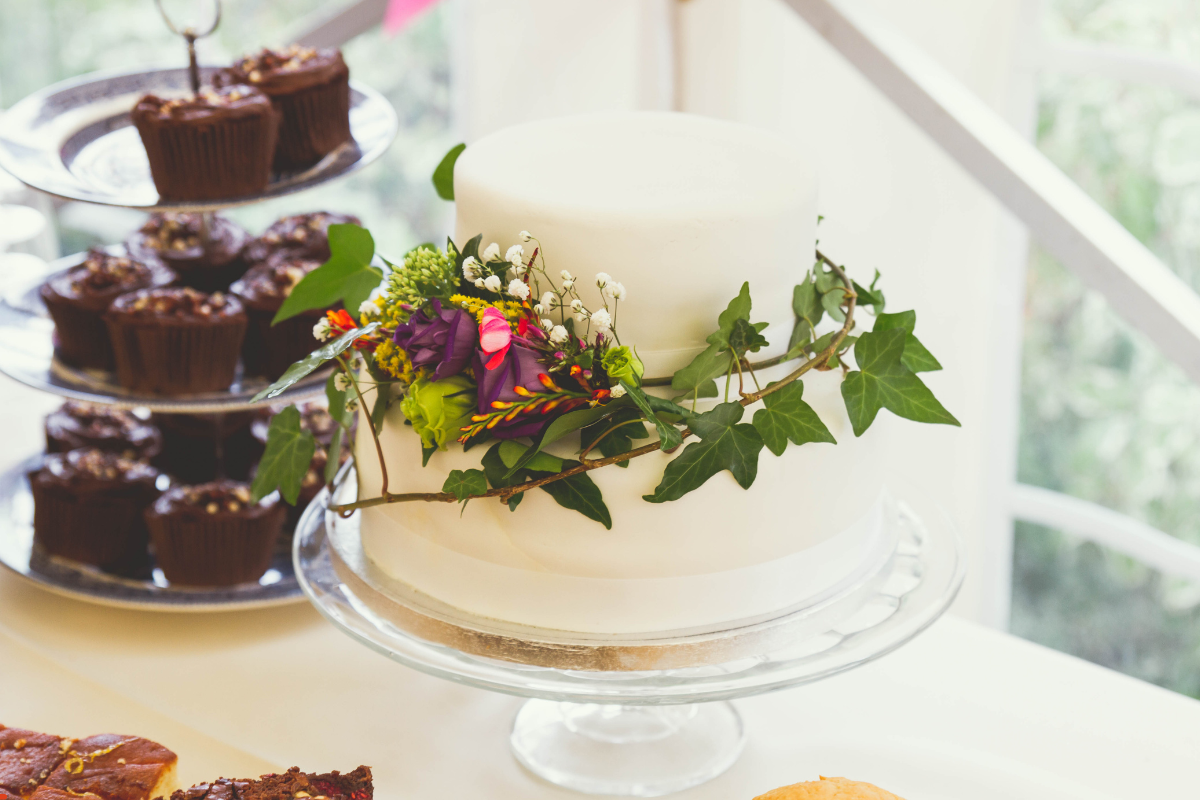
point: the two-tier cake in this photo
(683, 209)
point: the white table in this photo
(962, 712)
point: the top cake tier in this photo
(682, 209)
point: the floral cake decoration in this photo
(498, 351)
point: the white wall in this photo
(891, 199)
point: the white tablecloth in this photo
(962, 712)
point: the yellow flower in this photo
(394, 361)
(475, 306)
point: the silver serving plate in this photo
(21, 555)
(75, 140)
(27, 356)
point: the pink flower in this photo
(495, 337)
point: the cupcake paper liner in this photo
(215, 550)
(270, 349)
(176, 358)
(106, 531)
(314, 121)
(82, 338)
(226, 159)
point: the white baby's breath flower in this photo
(576, 304)
(341, 382)
(549, 300)
(603, 279)
(368, 308)
(581, 317)
(515, 255)
(566, 276)
(524, 236)
(492, 283)
(538, 309)
(471, 268)
(491, 252)
(602, 319)
(568, 283)
(479, 283)
(352, 405)
(558, 334)
(618, 391)
(322, 331)
(547, 324)
(615, 290)
(519, 290)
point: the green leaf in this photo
(383, 400)
(726, 443)
(786, 417)
(498, 477)
(443, 176)
(512, 453)
(833, 294)
(870, 297)
(667, 433)
(569, 423)
(286, 459)
(337, 409)
(313, 360)
(806, 303)
(464, 483)
(883, 381)
(620, 440)
(578, 493)
(714, 361)
(915, 357)
(746, 337)
(426, 454)
(738, 308)
(348, 275)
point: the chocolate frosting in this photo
(89, 469)
(266, 286)
(290, 69)
(175, 240)
(229, 102)
(216, 500)
(177, 305)
(77, 425)
(102, 277)
(113, 766)
(299, 236)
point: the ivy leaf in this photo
(713, 362)
(286, 459)
(464, 483)
(746, 337)
(915, 357)
(806, 303)
(569, 423)
(578, 493)
(738, 308)
(882, 381)
(337, 409)
(497, 475)
(383, 399)
(833, 294)
(667, 433)
(302, 368)
(620, 440)
(725, 443)
(870, 296)
(348, 275)
(786, 417)
(443, 175)
(513, 452)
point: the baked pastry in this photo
(78, 298)
(311, 90)
(50, 793)
(198, 448)
(215, 145)
(88, 505)
(205, 260)
(213, 535)
(76, 425)
(829, 789)
(27, 758)
(270, 349)
(290, 785)
(303, 236)
(116, 767)
(176, 341)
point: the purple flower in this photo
(520, 367)
(444, 339)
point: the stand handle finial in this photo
(190, 35)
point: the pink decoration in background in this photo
(400, 12)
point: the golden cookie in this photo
(829, 789)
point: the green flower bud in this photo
(622, 365)
(438, 409)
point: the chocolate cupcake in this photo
(303, 236)
(77, 299)
(88, 506)
(198, 448)
(205, 260)
(213, 535)
(270, 349)
(77, 425)
(216, 145)
(311, 90)
(176, 341)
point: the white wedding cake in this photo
(682, 210)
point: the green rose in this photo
(622, 365)
(438, 409)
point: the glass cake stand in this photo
(633, 715)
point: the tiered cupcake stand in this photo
(74, 140)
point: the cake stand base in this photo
(627, 751)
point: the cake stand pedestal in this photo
(638, 715)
